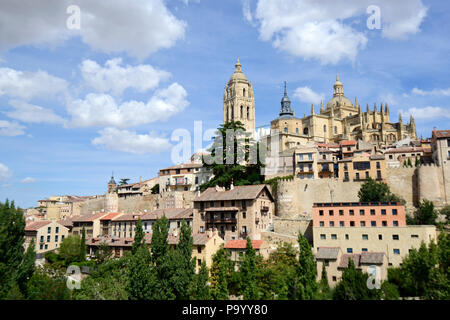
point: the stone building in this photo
(339, 120)
(183, 177)
(238, 213)
(111, 197)
(362, 167)
(47, 235)
(239, 100)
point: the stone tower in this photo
(111, 197)
(239, 100)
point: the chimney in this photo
(140, 179)
(231, 186)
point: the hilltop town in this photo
(310, 188)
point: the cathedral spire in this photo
(400, 118)
(321, 106)
(386, 109)
(375, 107)
(356, 102)
(338, 87)
(312, 109)
(238, 66)
(286, 104)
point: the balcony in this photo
(265, 208)
(216, 220)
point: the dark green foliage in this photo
(323, 284)
(201, 289)
(12, 233)
(83, 246)
(42, 286)
(417, 162)
(249, 272)
(70, 249)
(123, 181)
(353, 285)
(228, 171)
(426, 214)
(26, 268)
(139, 237)
(103, 253)
(141, 276)
(221, 274)
(409, 162)
(389, 291)
(155, 189)
(372, 191)
(305, 286)
(445, 211)
(273, 182)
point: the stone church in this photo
(339, 120)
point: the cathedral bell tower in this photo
(239, 100)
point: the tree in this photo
(201, 289)
(123, 181)
(83, 246)
(353, 285)
(404, 163)
(12, 235)
(248, 273)
(236, 169)
(372, 191)
(70, 249)
(409, 162)
(103, 253)
(220, 274)
(139, 237)
(141, 276)
(445, 211)
(26, 268)
(305, 283)
(417, 162)
(324, 286)
(42, 286)
(426, 214)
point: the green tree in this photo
(141, 276)
(70, 249)
(220, 274)
(404, 163)
(103, 253)
(409, 162)
(155, 189)
(231, 170)
(12, 235)
(201, 289)
(139, 237)
(389, 291)
(123, 181)
(445, 211)
(373, 191)
(305, 286)
(324, 286)
(249, 273)
(353, 285)
(83, 246)
(426, 214)
(26, 268)
(417, 162)
(43, 286)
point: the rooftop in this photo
(33, 226)
(355, 204)
(237, 193)
(242, 244)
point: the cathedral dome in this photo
(238, 75)
(343, 102)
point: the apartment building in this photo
(360, 168)
(47, 235)
(184, 177)
(205, 245)
(136, 189)
(90, 223)
(238, 213)
(335, 261)
(396, 157)
(105, 223)
(237, 248)
(440, 143)
(368, 227)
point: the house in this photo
(237, 248)
(205, 246)
(47, 235)
(90, 223)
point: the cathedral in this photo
(338, 120)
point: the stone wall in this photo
(293, 227)
(404, 183)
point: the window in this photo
(321, 212)
(363, 165)
(248, 111)
(352, 213)
(222, 203)
(296, 130)
(56, 238)
(367, 175)
(396, 251)
(323, 236)
(352, 223)
(414, 236)
(373, 223)
(324, 128)
(357, 176)
(211, 203)
(384, 223)
(330, 212)
(364, 249)
(395, 237)
(349, 250)
(361, 212)
(244, 229)
(365, 237)
(49, 229)
(341, 212)
(244, 215)
(326, 263)
(199, 249)
(57, 230)
(42, 238)
(380, 237)
(285, 129)
(395, 223)
(394, 212)
(335, 130)
(48, 238)
(363, 223)
(233, 203)
(341, 223)
(41, 246)
(383, 212)
(202, 229)
(334, 278)
(372, 212)
(333, 236)
(196, 180)
(346, 237)
(46, 246)
(331, 223)
(244, 204)
(62, 238)
(321, 223)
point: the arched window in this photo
(324, 128)
(248, 112)
(335, 130)
(242, 112)
(228, 114)
(285, 129)
(243, 92)
(305, 131)
(296, 130)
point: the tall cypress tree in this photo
(83, 245)
(201, 289)
(248, 271)
(184, 276)
(26, 268)
(305, 286)
(139, 237)
(219, 276)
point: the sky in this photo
(88, 88)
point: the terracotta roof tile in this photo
(238, 193)
(33, 226)
(242, 244)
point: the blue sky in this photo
(77, 104)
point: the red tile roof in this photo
(348, 143)
(88, 217)
(242, 244)
(33, 226)
(170, 213)
(109, 216)
(441, 133)
(238, 193)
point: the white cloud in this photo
(323, 29)
(5, 173)
(11, 129)
(428, 113)
(28, 180)
(434, 92)
(139, 27)
(306, 94)
(30, 113)
(102, 109)
(115, 78)
(246, 11)
(131, 142)
(28, 85)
